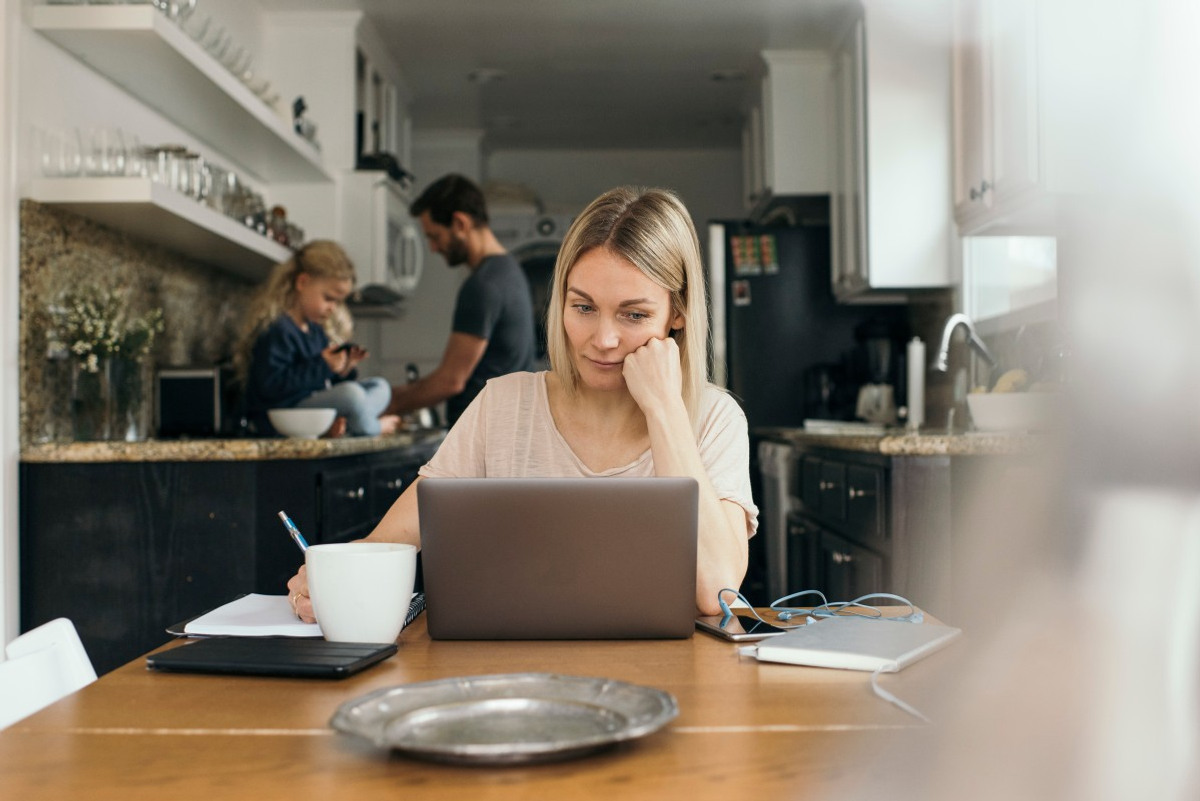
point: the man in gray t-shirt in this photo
(493, 329)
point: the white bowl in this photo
(1015, 411)
(302, 423)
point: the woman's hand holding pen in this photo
(298, 595)
(298, 584)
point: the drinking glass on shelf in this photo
(135, 157)
(237, 61)
(194, 176)
(196, 26)
(103, 152)
(218, 42)
(93, 152)
(164, 162)
(217, 180)
(70, 152)
(116, 151)
(57, 152)
(41, 151)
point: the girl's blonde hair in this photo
(652, 230)
(321, 258)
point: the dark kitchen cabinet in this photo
(346, 508)
(125, 549)
(867, 523)
(847, 571)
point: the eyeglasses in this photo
(859, 607)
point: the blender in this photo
(877, 397)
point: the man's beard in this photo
(456, 252)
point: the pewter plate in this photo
(506, 718)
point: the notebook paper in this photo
(256, 615)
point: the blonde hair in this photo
(321, 258)
(652, 230)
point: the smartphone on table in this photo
(737, 628)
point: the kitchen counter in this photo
(222, 450)
(898, 442)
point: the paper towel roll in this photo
(916, 383)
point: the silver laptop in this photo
(558, 558)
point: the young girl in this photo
(288, 359)
(627, 393)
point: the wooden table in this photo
(745, 730)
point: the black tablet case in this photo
(272, 656)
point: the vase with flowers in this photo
(107, 345)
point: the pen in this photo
(295, 532)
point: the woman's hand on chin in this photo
(653, 374)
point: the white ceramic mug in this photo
(361, 590)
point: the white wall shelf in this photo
(138, 48)
(157, 214)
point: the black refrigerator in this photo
(778, 333)
(786, 350)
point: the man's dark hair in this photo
(447, 195)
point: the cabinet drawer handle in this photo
(394, 484)
(840, 558)
(859, 493)
(356, 494)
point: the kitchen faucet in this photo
(941, 363)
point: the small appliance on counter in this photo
(827, 395)
(191, 402)
(878, 359)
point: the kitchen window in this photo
(1009, 281)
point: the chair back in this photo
(42, 666)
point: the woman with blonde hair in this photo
(288, 360)
(627, 393)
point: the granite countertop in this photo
(223, 450)
(898, 442)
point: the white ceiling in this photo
(588, 73)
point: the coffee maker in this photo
(827, 394)
(878, 360)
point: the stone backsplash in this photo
(202, 306)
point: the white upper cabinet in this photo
(998, 166)
(891, 205)
(848, 200)
(786, 139)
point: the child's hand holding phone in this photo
(345, 357)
